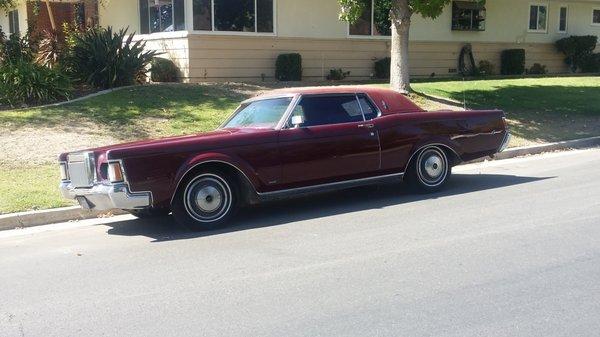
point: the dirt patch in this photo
(37, 146)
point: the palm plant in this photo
(106, 60)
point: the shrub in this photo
(590, 63)
(537, 69)
(50, 49)
(382, 68)
(23, 82)
(512, 62)
(577, 49)
(485, 68)
(15, 48)
(163, 70)
(105, 59)
(288, 67)
(337, 74)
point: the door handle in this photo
(366, 126)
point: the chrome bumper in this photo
(106, 196)
(505, 141)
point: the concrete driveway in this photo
(510, 248)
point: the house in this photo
(240, 39)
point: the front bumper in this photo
(107, 196)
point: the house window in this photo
(13, 22)
(596, 17)
(161, 16)
(562, 19)
(374, 21)
(251, 16)
(538, 18)
(467, 15)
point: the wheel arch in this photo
(451, 151)
(223, 164)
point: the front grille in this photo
(82, 169)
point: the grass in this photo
(30, 188)
(539, 110)
(139, 112)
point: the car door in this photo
(334, 142)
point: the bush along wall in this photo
(163, 70)
(579, 52)
(512, 62)
(288, 67)
(382, 68)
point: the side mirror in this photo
(297, 120)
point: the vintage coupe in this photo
(283, 143)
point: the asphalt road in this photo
(511, 248)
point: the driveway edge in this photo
(45, 217)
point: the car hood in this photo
(214, 138)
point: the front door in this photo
(334, 142)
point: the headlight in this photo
(115, 172)
(64, 172)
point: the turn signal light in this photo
(64, 173)
(115, 172)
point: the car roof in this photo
(388, 101)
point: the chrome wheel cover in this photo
(432, 167)
(207, 198)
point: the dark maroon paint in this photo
(275, 160)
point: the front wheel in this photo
(429, 170)
(207, 201)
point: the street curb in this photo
(38, 218)
(45, 217)
(548, 147)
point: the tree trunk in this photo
(399, 72)
(51, 15)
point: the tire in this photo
(205, 201)
(429, 170)
(151, 213)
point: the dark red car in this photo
(285, 142)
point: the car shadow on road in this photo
(317, 206)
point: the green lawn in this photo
(538, 109)
(30, 188)
(140, 112)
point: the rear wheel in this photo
(429, 171)
(205, 201)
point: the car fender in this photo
(215, 157)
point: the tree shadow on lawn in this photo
(539, 113)
(329, 204)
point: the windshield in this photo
(259, 114)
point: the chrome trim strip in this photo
(329, 185)
(476, 134)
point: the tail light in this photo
(115, 172)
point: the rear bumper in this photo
(107, 196)
(505, 141)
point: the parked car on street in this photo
(283, 143)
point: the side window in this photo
(323, 110)
(367, 106)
